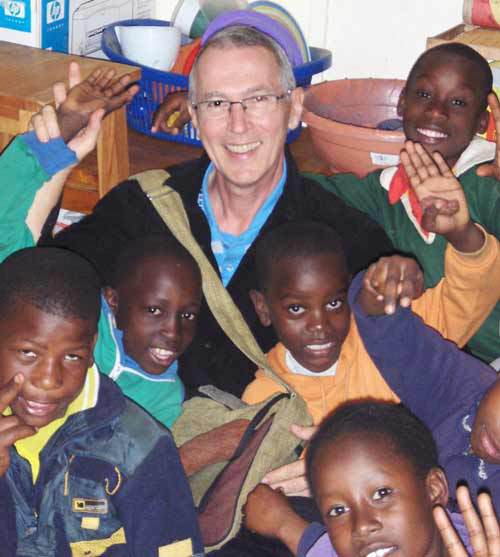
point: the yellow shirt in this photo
(456, 307)
(30, 447)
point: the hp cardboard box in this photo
(73, 26)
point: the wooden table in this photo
(27, 75)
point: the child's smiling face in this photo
(442, 105)
(52, 352)
(306, 302)
(157, 307)
(372, 500)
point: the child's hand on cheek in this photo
(11, 427)
(269, 513)
(484, 532)
(389, 282)
(493, 168)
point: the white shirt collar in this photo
(478, 151)
(299, 369)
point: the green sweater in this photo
(21, 178)
(370, 195)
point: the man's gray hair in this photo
(241, 36)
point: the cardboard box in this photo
(73, 26)
(485, 41)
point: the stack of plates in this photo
(286, 19)
(193, 16)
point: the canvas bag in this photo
(220, 490)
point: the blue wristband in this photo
(53, 156)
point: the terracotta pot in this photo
(342, 116)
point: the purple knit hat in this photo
(261, 22)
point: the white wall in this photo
(368, 38)
(382, 38)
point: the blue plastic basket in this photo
(156, 84)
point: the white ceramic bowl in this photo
(153, 46)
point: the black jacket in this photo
(125, 213)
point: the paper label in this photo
(384, 159)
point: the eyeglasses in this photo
(256, 106)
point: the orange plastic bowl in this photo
(342, 116)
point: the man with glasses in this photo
(243, 100)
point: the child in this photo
(374, 472)
(76, 457)
(304, 283)
(148, 319)
(156, 293)
(443, 106)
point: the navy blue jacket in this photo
(109, 474)
(438, 382)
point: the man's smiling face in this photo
(246, 151)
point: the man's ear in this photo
(192, 114)
(261, 308)
(402, 102)
(437, 487)
(297, 104)
(111, 296)
(483, 122)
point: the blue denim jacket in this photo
(110, 483)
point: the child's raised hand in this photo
(440, 194)
(172, 114)
(11, 427)
(269, 513)
(388, 282)
(493, 168)
(484, 532)
(100, 91)
(46, 126)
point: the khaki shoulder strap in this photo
(169, 206)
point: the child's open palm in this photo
(101, 90)
(439, 193)
(78, 112)
(484, 532)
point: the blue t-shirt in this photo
(227, 248)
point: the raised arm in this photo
(35, 166)
(415, 361)
(470, 288)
